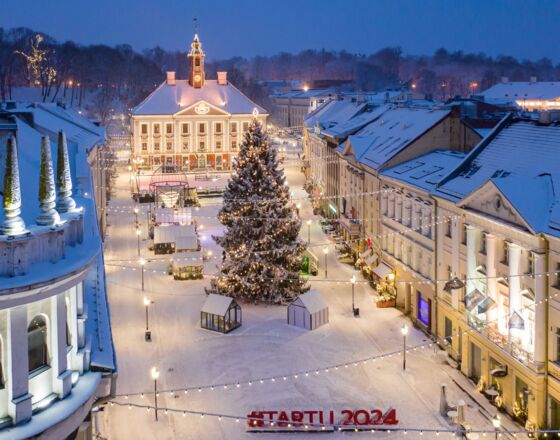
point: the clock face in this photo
(201, 108)
(197, 78)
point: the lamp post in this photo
(497, 423)
(308, 232)
(148, 333)
(142, 263)
(353, 282)
(155, 375)
(326, 252)
(136, 215)
(138, 236)
(404, 331)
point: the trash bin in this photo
(356, 311)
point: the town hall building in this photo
(195, 124)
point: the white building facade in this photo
(194, 124)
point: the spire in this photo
(13, 223)
(63, 178)
(196, 63)
(47, 195)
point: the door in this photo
(476, 360)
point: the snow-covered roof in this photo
(216, 304)
(171, 99)
(333, 112)
(171, 215)
(426, 171)
(382, 270)
(312, 301)
(521, 158)
(171, 233)
(382, 139)
(186, 242)
(507, 92)
(188, 258)
(306, 94)
(353, 124)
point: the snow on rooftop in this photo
(353, 124)
(171, 99)
(216, 304)
(171, 233)
(333, 112)
(426, 171)
(514, 91)
(385, 137)
(313, 301)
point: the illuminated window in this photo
(144, 129)
(144, 146)
(245, 126)
(157, 129)
(233, 145)
(37, 343)
(233, 127)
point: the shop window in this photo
(424, 309)
(37, 343)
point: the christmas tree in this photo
(262, 250)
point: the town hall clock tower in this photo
(196, 64)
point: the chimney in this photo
(170, 78)
(222, 78)
(533, 79)
(505, 79)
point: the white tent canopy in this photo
(308, 311)
(382, 270)
(216, 304)
(170, 215)
(170, 234)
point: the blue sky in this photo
(524, 29)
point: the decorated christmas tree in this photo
(262, 250)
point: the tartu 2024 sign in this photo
(319, 420)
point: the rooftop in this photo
(171, 99)
(507, 92)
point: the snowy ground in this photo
(264, 346)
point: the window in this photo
(245, 126)
(218, 145)
(557, 344)
(557, 276)
(449, 272)
(464, 234)
(233, 127)
(505, 260)
(233, 145)
(157, 129)
(185, 129)
(448, 227)
(37, 343)
(169, 146)
(201, 146)
(531, 265)
(483, 243)
(201, 128)
(144, 146)
(448, 330)
(185, 146)
(156, 146)
(144, 129)
(169, 128)
(219, 128)
(197, 62)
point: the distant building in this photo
(57, 358)
(291, 107)
(530, 96)
(195, 124)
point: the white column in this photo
(540, 309)
(491, 274)
(19, 399)
(514, 253)
(472, 246)
(62, 377)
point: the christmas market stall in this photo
(165, 237)
(220, 314)
(385, 285)
(308, 311)
(187, 265)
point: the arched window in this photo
(37, 340)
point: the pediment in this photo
(489, 200)
(201, 108)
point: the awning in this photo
(473, 299)
(366, 253)
(382, 270)
(485, 305)
(371, 260)
(516, 322)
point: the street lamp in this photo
(148, 333)
(355, 311)
(136, 215)
(404, 331)
(497, 423)
(155, 375)
(142, 263)
(308, 232)
(138, 235)
(326, 252)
